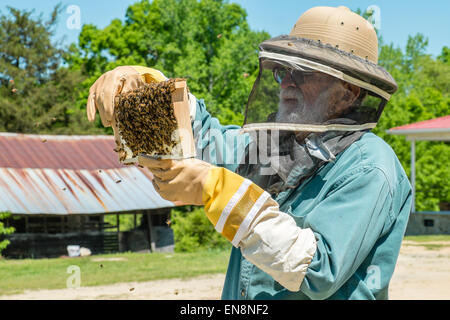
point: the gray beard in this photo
(300, 113)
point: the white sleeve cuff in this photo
(276, 245)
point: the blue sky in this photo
(398, 18)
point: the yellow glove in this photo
(231, 201)
(109, 85)
(178, 180)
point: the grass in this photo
(19, 275)
(429, 241)
(429, 238)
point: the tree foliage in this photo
(423, 94)
(4, 231)
(37, 94)
(193, 231)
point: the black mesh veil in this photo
(309, 100)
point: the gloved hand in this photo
(114, 82)
(178, 180)
(104, 90)
(109, 85)
(231, 202)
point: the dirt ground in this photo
(420, 274)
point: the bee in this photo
(146, 118)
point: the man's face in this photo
(312, 97)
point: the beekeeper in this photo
(314, 204)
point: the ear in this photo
(352, 93)
(345, 97)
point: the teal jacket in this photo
(358, 208)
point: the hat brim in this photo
(325, 54)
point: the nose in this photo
(287, 81)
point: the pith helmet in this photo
(337, 38)
(333, 41)
(341, 28)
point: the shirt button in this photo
(242, 292)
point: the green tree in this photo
(445, 55)
(208, 42)
(37, 93)
(4, 231)
(193, 231)
(423, 94)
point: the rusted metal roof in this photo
(62, 175)
(57, 152)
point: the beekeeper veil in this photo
(318, 90)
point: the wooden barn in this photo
(59, 190)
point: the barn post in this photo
(151, 242)
(413, 174)
(45, 225)
(119, 240)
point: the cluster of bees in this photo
(146, 120)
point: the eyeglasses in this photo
(297, 76)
